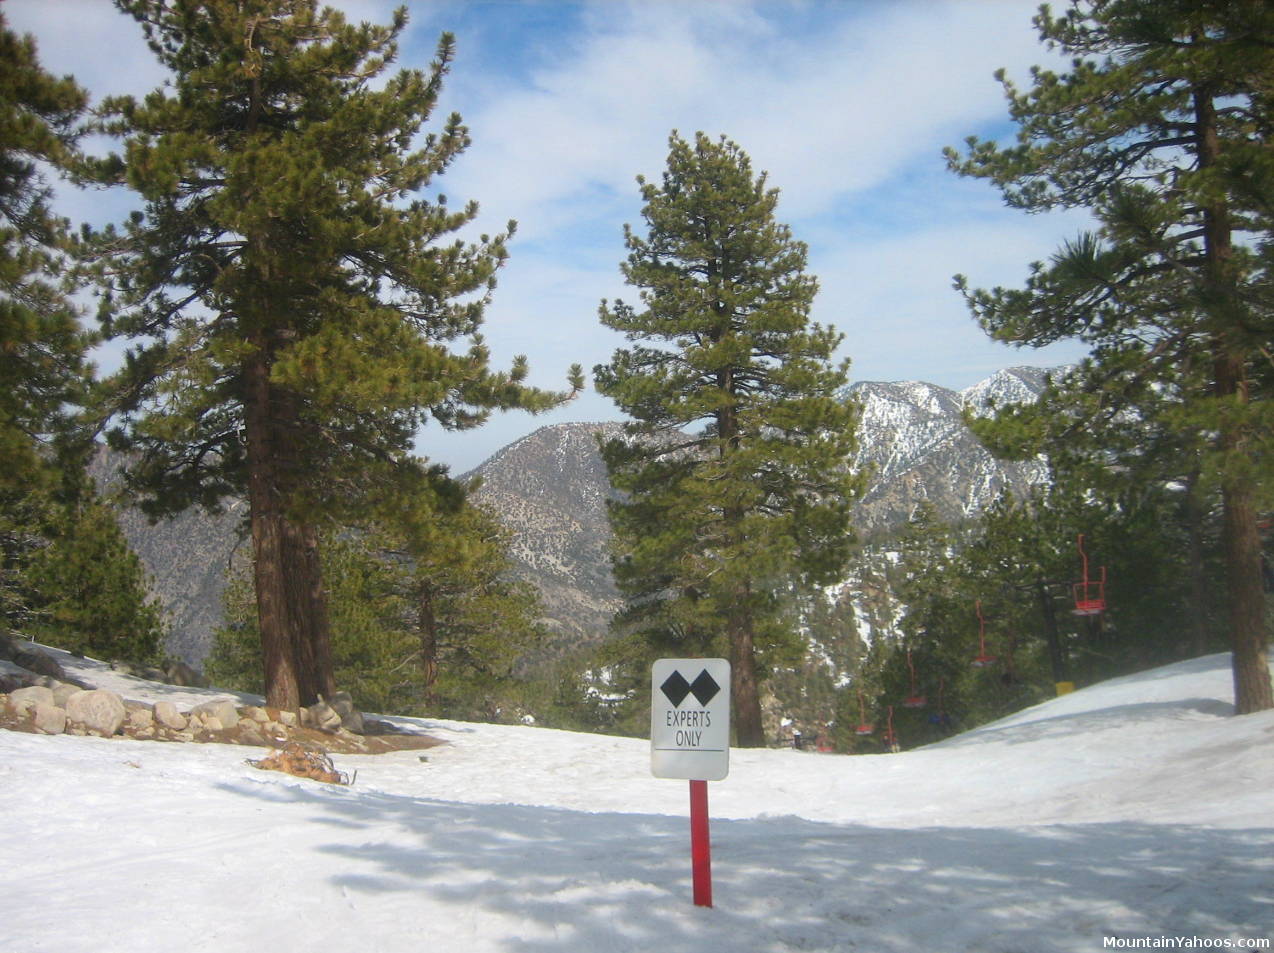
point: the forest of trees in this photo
(295, 310)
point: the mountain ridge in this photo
(550, 488)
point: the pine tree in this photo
(734, 468)
(1161, 129)
(43, 373)
(91, 587)
(292, 299)
(42, 367)
(472, 622)
(424, 617)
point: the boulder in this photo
(323, 716)
(49, 719)
(178, 672)
(99, 711)
(62, 693)
(166, 714)
(140, 716)
(222, 710)
(351, 718)
(34, 659)
(22, 700)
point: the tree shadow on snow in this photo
(621, 882)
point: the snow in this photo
(1140, 807)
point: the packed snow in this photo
(1129, 812)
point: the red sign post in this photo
(690, 738)
(700, 844)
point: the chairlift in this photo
(915, 699)
(864, 726)
(1090, 595)
(982, 660)
(891, 737)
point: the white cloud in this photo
(845, 104)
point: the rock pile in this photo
(36, 695)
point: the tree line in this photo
(296, 310)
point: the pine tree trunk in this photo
(745, 694)
(1252, 688)
(300, 612)
(282, 686)
(319, 624)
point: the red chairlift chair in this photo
(915, 699)
(1090, 595)
(982, 660)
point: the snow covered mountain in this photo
(916, 447)
(550, 489)
(1131, 811)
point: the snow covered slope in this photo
(1137, 808)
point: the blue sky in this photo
(846, 105)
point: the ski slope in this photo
(1136, 809)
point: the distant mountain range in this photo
(550, 490)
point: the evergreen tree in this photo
(424, 619)
(292, 300)
(43, 373)
(90, 587)
(734, 468)
(1161, 129)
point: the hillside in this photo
(550, 489)
(1135, 808)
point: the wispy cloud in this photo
(845, 104)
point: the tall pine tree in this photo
(734, 469)
(292, 299)
(1161, 129)
(43, 372)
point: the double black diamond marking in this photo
(676, 688)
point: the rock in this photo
(323, 716)
(288, 719)
(178, 672)
(351, 717)
(211, 722)
(62, 693)
(99, 711)
(166, 714)
(49, 719)
(140, 716)
(8, 647)
(34, 659)
(257, 714)
(221, 709)
(22, 700)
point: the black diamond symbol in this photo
(676, 688)
(705, 687)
